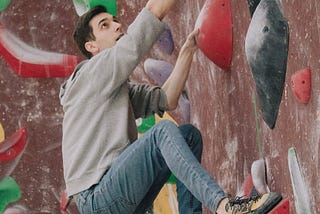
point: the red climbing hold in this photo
(27, 61)
(65, 201)
(11, 147)
(282, 208)
(215, 36)
(247, 185)
(301, 85)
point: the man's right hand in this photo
(160, 8)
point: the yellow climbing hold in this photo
(166, 116)
(166, 202)
(2, 137)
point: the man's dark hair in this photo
(83, 31)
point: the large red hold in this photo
(30, 62)
(215, 36)
(282, 208)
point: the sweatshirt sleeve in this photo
(147, 100)
(112, 67)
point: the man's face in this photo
(107, 31)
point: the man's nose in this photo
(117, 26)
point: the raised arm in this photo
(176, 81)
(160, 8)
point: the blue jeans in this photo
(138, 174)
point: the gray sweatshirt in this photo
(100, 106)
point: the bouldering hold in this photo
(247, 185)
(165, 42)
(2, 135)
(64, 201)
(166, 116)
(253, 4)
(282, 208)
(4, 4)
(9, 192)
(172, 179)
(266, 47)
(11, 147)
(146, 123)
(27, 61)
(215, 36)
(301, 85)
(301, 196)
(82, 6)
(158, 70)
(110, 5)
(16, 209)
(259, 176)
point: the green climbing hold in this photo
(110, 5)
(9, 192)
(146, 124)
(172, 179)
(4, 4)
(83, 6)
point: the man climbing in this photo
(106, 168)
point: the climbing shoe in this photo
(259, 204)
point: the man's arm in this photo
(160, 8)
(176, 81)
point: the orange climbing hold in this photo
(215, 36)
(301, 85)
(11, 147)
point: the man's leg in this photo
(133, 173)
(170, 142)
(185, 166)
(187, 202)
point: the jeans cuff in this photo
(217, 201)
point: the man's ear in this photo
(91, 47)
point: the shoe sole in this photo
(270, 203)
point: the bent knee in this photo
(167, 123)
(191, 129)
(192, 133)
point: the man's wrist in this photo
(160, 8)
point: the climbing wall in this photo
(223, 96)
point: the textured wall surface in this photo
(221, 103)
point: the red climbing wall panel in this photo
(221, 103)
